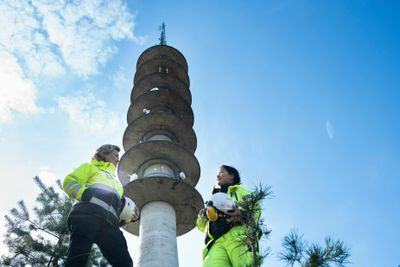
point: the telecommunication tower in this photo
(159, 170)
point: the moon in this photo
(329, 129)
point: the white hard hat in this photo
(127, 211)
(222, 202)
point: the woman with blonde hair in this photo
(94, 218)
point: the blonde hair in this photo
(104, 150)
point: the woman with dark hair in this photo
(225, 234)
(94, 218)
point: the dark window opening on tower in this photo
(162, 109)
(158, 135)
(162, 69)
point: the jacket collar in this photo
(233, 187)
(105, 166)
(226, 188)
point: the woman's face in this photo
(112, 157)
(223, 177)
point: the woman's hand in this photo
(202, 214)
(135, 214)
(234, 216)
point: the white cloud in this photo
(46, 37)
(329, 129)
(84, 31)
(120, 80)
(22, 36)
(42, 60)
(16, 93)
(47, 176)
(49, 35)
(88, 114)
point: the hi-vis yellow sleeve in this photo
(201, 224)
(75, 183)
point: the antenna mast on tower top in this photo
(163, 39)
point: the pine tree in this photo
(313, 255)
(255, 227)
(42, 239)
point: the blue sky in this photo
(299, 95)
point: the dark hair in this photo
(232, 171)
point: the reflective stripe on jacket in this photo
(95, 183)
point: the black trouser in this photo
(87, 229)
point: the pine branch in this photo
(316, 256)
(39, 182)
(294, 247)
(254, 226)
(313, 255)
(9, 221)
(38, 227)
(48, 218)
(53, 257)
(59, 184)
(22, 206)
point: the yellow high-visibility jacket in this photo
(96, 190)
(238, 194)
